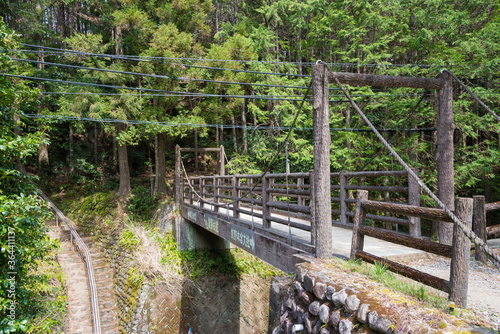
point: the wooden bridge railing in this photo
(289, 195)
(459, 252)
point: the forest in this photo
(98, 93)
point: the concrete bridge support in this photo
(190, 236)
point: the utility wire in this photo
(156, 75)
(194, 125)
(64, 53)
(306, 64)
(180, 94)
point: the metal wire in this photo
(473, 95)
(96, 320)
(495, 258)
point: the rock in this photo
(338, 298)
(345, 326)
(324, 331)
(314, 308)
(316, 327)
(288, 327)
(362, 314)
(324, 313)
(334, 319)
(288, 303)
(283, 318)
(297, 285)
(352, 303)
(300, 290)
(319, 290)
(307, 297)
(301, 272)
(330, 290)
(293, 308)
(308, 283)
(278, 330)
(372, 318)
(308, 323)
(300, 315)
(383, 326)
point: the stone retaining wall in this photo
(311, 303)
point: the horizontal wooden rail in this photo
(492, 206)
(249, 212)
(209, 149)
(247, 188)
(378, 188)
(405, 240)
(291, 207)
(377, 173)
(289, 192)
(300, 226)
(360, 79)
(435, 282)
(407, 210)
(290, 175)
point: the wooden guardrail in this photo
(459, 252)
(290, 195)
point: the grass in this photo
(158, 256)
(380, 273)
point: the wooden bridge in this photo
(276, 216)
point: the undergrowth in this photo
(158, 256)
(380, 273)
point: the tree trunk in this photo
(70, 155)
(244, 123)
(160, 183)
(235, 140)
(125, 187)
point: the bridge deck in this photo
(341, 236)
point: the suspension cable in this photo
(495, 258)
(473, 95)
(276, 155)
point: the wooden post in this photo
(414, 199)
(479, 225)
(236, 195)
(265, 209)
(178, 175)
(300, 183)
(196, 169)
(322, 140)
(460, 253)
(358, 239)
(222, 165)
(200, 191)
(216, 192)
(343, 197)
(444, 156)
(311, 207)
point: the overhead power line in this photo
(65, 53)
(223, 126)
(160, 76)
(173, 93)
(306, 64)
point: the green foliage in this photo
(24, 244)
(142, 203)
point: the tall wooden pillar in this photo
(177, 175)
(321, 180)
(444, 157)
